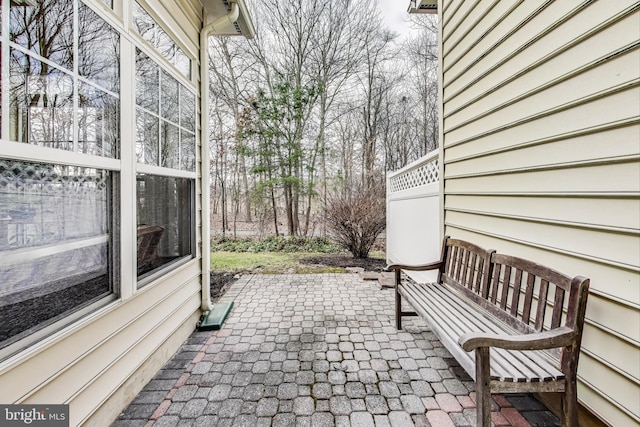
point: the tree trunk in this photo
(223, 208)
(275, 210)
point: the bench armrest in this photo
(423, 267)
(558, 337)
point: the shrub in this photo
(274, 244)
(356, 219)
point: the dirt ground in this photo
(221, 280)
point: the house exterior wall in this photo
(540, 150)
(100, 361)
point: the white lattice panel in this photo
(421, 175)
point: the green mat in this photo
(212, 320)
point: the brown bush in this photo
(356, 219)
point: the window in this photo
(50, 105)
(165, 137)
(60, 189)
(149, 29)
(98, 50)
(57, 252)
(165, 221)
(165, 122)
(59, 224)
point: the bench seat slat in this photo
(507, 366)
(450, 316)
(447, 328)
(532, 360)
(451, 327)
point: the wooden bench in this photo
(485, 309)
(147, 247)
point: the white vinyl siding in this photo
(104, 349)
(541, 159)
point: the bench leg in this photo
(570, 404)
(483, 387)
(398, 309)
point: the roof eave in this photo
(243, 25)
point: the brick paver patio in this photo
(317, 350)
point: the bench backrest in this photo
(538, 298)
(147, 245)
(465, 266)
(528, 297)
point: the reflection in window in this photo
(51, 104)
(182, 63)
(149, 29)
(169, 98)
(41, 103)
(147, 82)
(165, 221)
(98, 121)
(56, 247)
(165, 118)
(187, 110)
(170, 153)
(188, 151)
(46, 29)
(147, 134)
(98, 50)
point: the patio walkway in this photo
(317, 350)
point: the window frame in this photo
(149, 47)
(75, 74)
(26, 152)
(151, 276)
(26, 338)
(157, 169)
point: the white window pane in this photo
(182, 63)
(170, 153)
(149, 29)
(98, 50)
(55, 243)
(187, 151)
(46, 29)
(147, 132)
(98, 122)
(41, 110)
(147, 82)
(187, 109)
(169, 98)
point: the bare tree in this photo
(326, 100)
(375, 83)
(339, 54)
(421, 53)
(228, 67)
(285, 97)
